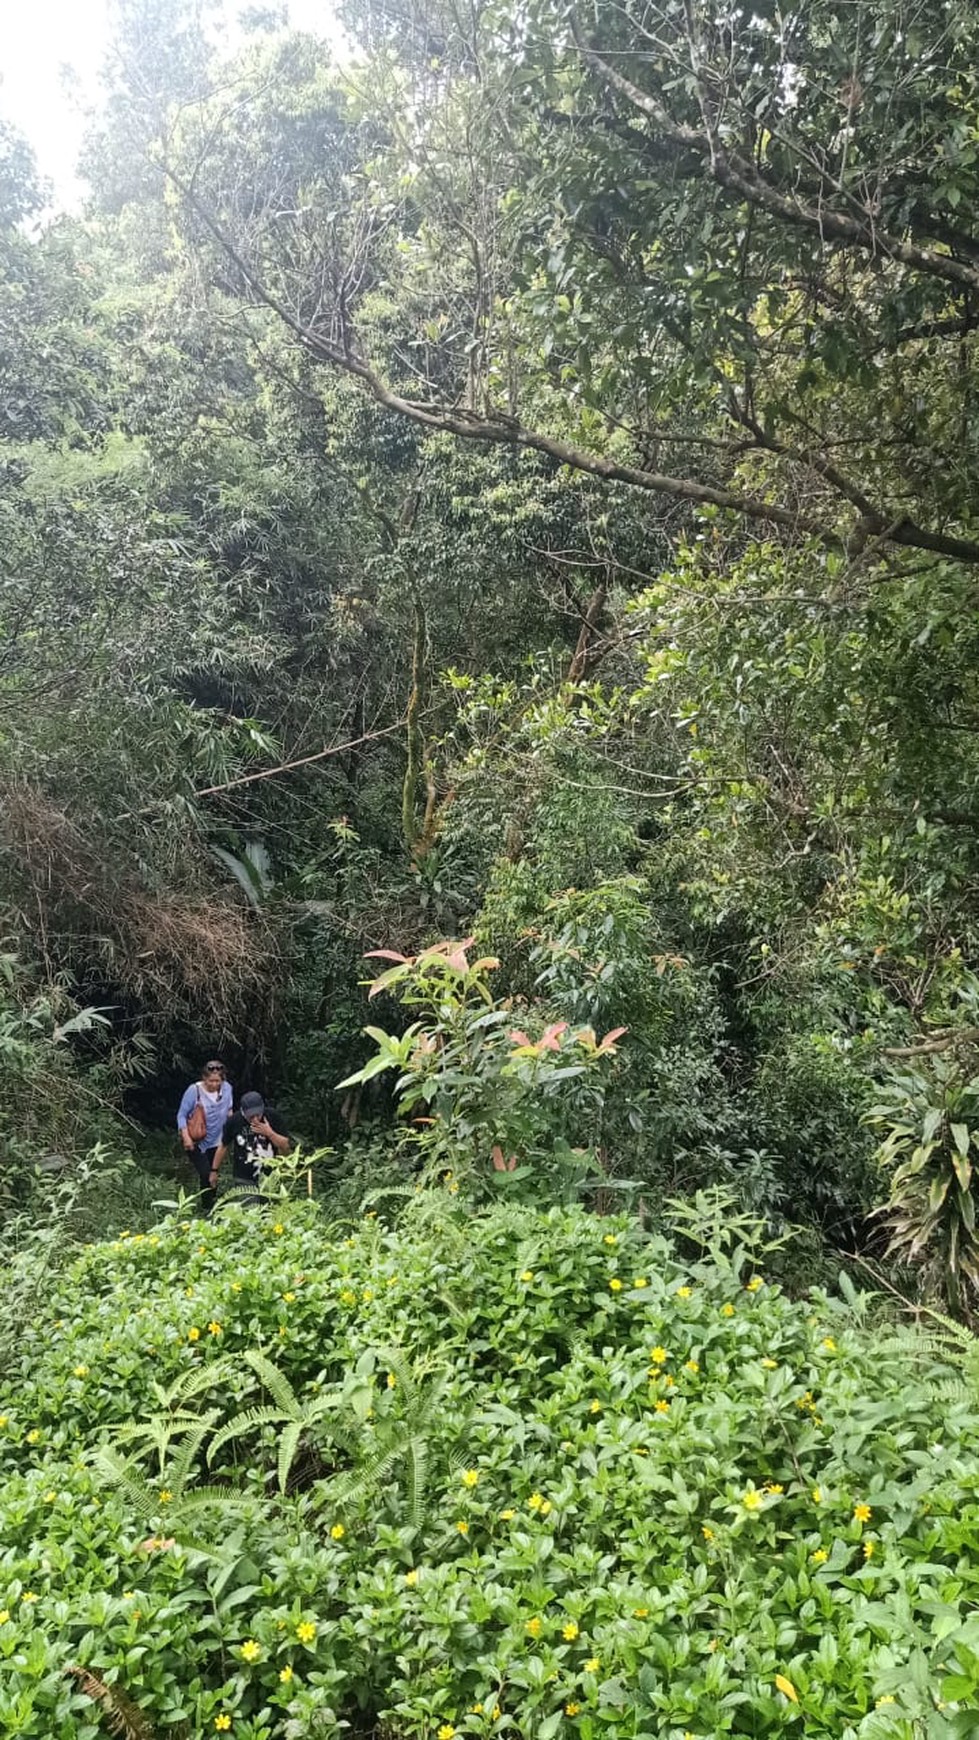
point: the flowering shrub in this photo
(653, 1498)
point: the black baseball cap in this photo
(252, 1105)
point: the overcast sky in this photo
(51, 52)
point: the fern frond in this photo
(288, 1445)
(417, 1462)
(182, 1466)
(394, 1358)
(275, 1382)
(367, 1476)
(201, 1377)
(247, 1421)
(142, 1498)
(124, 1718)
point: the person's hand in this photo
(188, 1144)
(213, 1178)
(262, 1127)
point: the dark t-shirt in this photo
(250, 1149)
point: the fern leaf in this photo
(248, 1421)
(275, 1382)
(124, 1718)
(288, 1445)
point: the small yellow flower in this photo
(770, 1364)
(285, 1675)
(817, 1495)
(727, 1310)
(81, 1371)
(446, 1732)
(50, 1498)
(534, 1626)
(222, 1724)
(754, 1284)
(193, 1335)
(4, 1616)
(236, 1286)
(250, 1650)
(470, 1478)
(886, 1699)
(348, 1297)
(820, 1556)
(640, 1281)
(214, 1328)
(166, 1495)
(278, 1228)
(640, 1613)
(610, 1239)
(34, 1436)
(571, 1709)
(546, 1507)
(535, 1501)
(684, 1292)
(507, 1515)
(691, 1365)
(658, 1355)
(773, 1486)
(615, 1284)
(497, 1713)
(527, 1275)
(367, 1295)
(411, 1578)
(337, 1532)
(475, 1709)
(189, 1292)
(392, 1381)
(595, 1408)
(869, 1549)
(829, 1344)
(662, 1407)
(707, 1533)
(462, 1526)
(786, 1688)
(3, 1421)
(592, 1665)
(570, 1631)
(306, 1631)
(752, 1499)
(28, 1596)
(862, 1512)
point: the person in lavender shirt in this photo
(213, 1093)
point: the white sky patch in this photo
(51, 54)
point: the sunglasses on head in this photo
(211, 1068)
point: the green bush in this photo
(547, 1479)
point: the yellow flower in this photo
(658, 1355)
(615, 1284)
(214, 1328)
(727, 1310)
(193, 1335)
(527, 1275)
(545, 1507)
(463, 1527)
(497, 1713)
(570, 1631)
(752, 1499)
(278, 1228)
(446, 1732)
(189, 1292)
(595, 1408)
(770, 1364)
(250, 1650)
(4, 1616)
(773, 1486)
(81, 1371)
(754, 1284)
(34, 1436)
(869, 1549)
(662, 1407)
(534, 1626)
(817, 1495)
(886, 1699)
(166, 1495)
(348, 1297)
(290, 1298)
(337, 1532)
(640, 1281)
(707, 1533)
(392, 1381)
(829, 1344)
(306, 1632)
(571, 1709)
(507, 1515)
(610, 1239)
(691, 1365)
(470, 1478)
(367, 1295)
(820, 1556)
(222, 1723)
(592, 1665)
(640, 1613)
(535, 1501)
(786, 1688)
(475, 1709)
(28, 1596)
(285, 1675)
(50, 1498)
(236, 1286)
(411, 1578)
(862, 1512)
(3, 1421)
(684, 1292)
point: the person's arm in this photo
(221, 1150)
(184, 1110)
(280, 1142)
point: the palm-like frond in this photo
(275, 1382)
(249, 1420)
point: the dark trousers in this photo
(202, 1160)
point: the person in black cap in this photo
(254, 1135)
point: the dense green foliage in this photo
(547, 1473)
